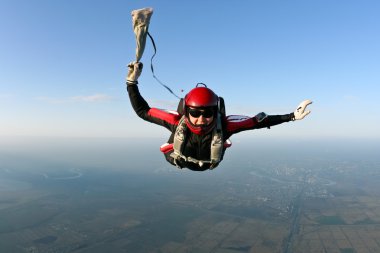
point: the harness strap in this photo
(217, 141)
(179, 138)
(216, 144)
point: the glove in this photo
(300, 112)
(134, 72)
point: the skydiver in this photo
(200, 130)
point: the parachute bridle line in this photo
(151, 67)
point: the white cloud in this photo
(51, 100)
(92, 98)
(86, 99)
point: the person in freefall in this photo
(200, 129)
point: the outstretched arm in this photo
(141, 107)
(139, 104)
(237, 124)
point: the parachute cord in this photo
(151, 67)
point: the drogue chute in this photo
(140, 22)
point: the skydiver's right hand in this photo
(134, 72)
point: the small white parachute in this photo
(140, 22)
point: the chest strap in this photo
(216, 149)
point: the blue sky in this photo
(63, 64)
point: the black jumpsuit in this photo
(197, 146)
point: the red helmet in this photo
(200, 97)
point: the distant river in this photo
(74, 174)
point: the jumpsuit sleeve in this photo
(167, 119)
(236, 124)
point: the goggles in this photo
(206, 113)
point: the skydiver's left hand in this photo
(134, 72)
(300, 112)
